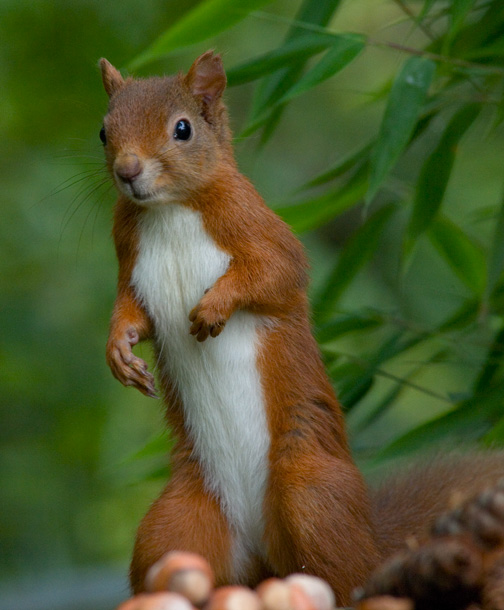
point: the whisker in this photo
(70, 158)
(75, 139)
(99, 208)
(95, 204)
(161, 153)
(81, 197)
(80, 156)
(81, 153)
(70, 182)
(92, 177)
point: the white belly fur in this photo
(218, 380)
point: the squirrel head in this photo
(165, 137)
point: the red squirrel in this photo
(263, 482)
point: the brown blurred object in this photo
(385, 602)
(234, 598)
(185, 573)
(318, 591)
(156, 601)
(277, 594)
(462, 564)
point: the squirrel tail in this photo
(406, 504)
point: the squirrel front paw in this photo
(206, 321)
(128, 368)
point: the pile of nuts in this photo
(184, 581)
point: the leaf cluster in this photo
(446, 90)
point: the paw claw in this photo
(202, 328)
(130, 370)
(216, 329)
(202, 334)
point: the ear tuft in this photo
(112, 79)
(206, 77)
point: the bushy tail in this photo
(406, 504)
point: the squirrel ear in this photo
(206, 77)
(112, 79)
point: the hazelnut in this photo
(185, 573)
(234, 598)
(156, 601)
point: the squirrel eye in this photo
(103, 135)
(182, 130)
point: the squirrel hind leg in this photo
(184, 518)
(327, 535)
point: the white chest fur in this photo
(217, 380)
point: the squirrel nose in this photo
(128, 167)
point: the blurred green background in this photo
(80, 454)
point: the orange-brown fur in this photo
(318, 517)
(407, 503)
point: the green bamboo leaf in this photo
(362, 154)
(482, 32)
(492, 366)
(341, 167)
(149, 462)
(463, 318)
(205, 20)
(390, 399)
(495, 438)
(314, 12)
(452, 429)
(347, 323)
(495, 256)
(380, 408)
(465, 257)
(162, 473)
(436, 171)
(256, 124)
(459, 11)
(311, 12)
(351, 391)
(405, 103)
(466, 423)
(158, 445)
(495, 49)
(354, 379)
(428, 4)
(314, 212)
(297, 49)
(344, 50)
(358, 250)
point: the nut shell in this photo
(185, 573)
(277, 594)
(315, 588)
(156, 601)
(386, 602)
(234, 598)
